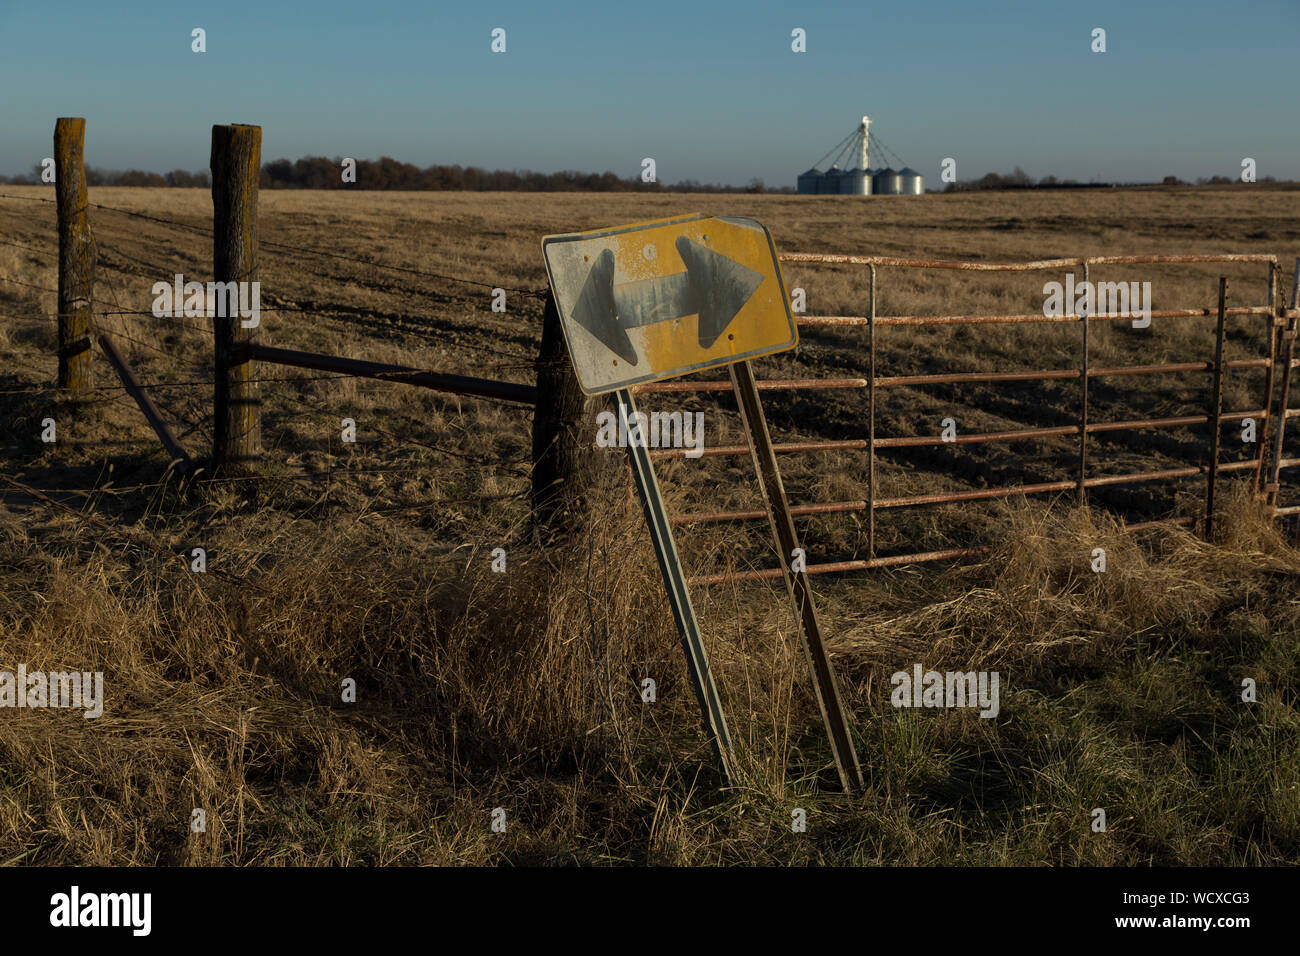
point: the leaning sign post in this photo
(655, 300)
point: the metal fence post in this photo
(1083, 404)
(1216, 412)
(871, 417)
(1272, 342)
(1272, 487)
(825, 685)
(679, 595)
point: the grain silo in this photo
(887, 182)
(810, 182)
(859, 179)
(856, 182)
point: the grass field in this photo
(478, 690)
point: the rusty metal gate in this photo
(1277, 355)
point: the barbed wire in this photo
(435, 336)
(125, 212)
(293, 476)
(117, 333)
(148, 542)
(206, 381)
(170, 317)
(424, 273)
(304, 250)
(114, 250)
(40, 252)
(525, 359)
(522, 360)
(113, 292)
(341, 319)
(42, 288)
(493, 463)
(47, 316)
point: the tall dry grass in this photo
(521, 690)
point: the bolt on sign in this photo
(659, 299)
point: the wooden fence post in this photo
(566, 463)
(77, 255)
(237, 397)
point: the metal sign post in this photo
(654, 300)
(679, 598)
(796, 581)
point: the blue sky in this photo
(712, 91)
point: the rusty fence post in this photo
(1273, 342)
(1216, 413)
(237, 396)
(77, 255)
(871, 416)
(1274, 480)
(1083, 404)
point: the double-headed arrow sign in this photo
(713, 287)
(622, 298)
(611, 282)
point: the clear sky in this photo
(712, 91)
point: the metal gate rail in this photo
(1280, 328)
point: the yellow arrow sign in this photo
(654, 300)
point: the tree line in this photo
(318, 172)
(1019, 179)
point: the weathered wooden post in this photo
(237, 399)
(566, 464)
(77, 255)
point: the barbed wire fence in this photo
(188, 398)
(143, 329)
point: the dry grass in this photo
(520, 690)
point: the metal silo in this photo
(830, 181)
(856, 182)
(911, 183)
(887, 183)
(810, 182)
